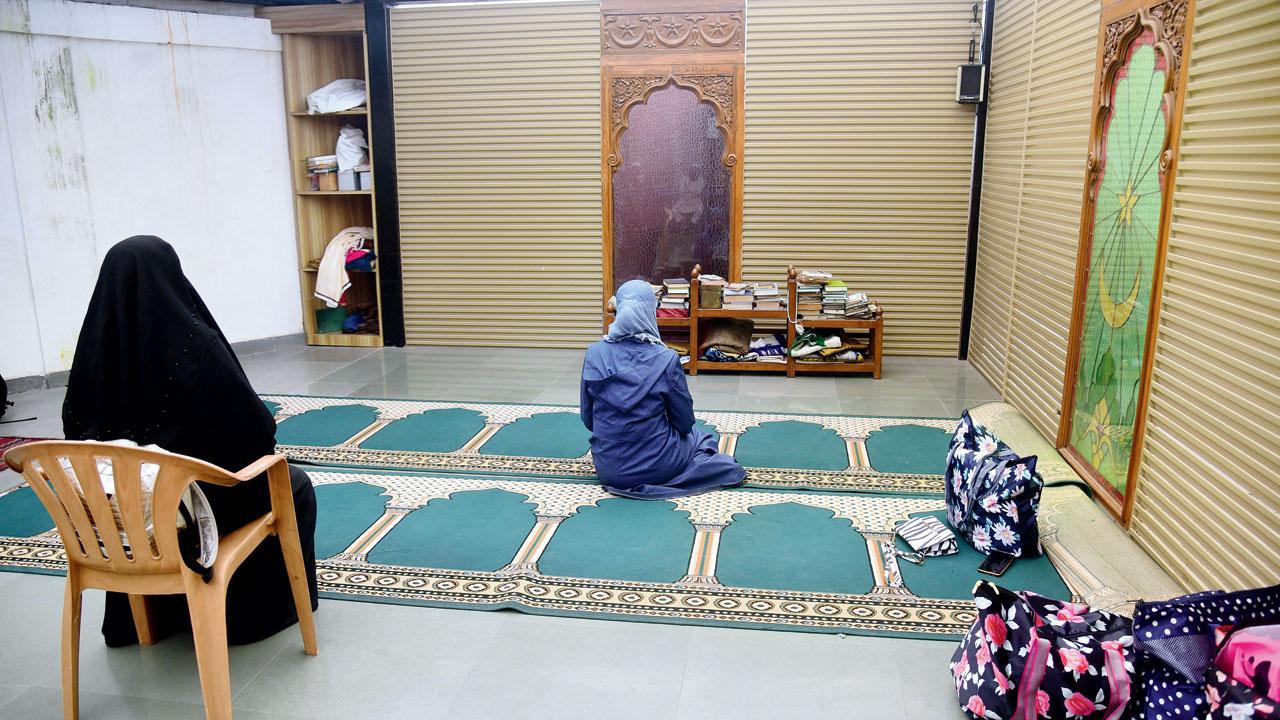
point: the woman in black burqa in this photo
(152, 366)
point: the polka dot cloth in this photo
(1175, 644)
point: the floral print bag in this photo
(992, 494)
(1029, 657)
(1244, 680)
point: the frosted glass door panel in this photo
(671, 193)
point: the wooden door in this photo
(671, 153)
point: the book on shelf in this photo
(834, 294)
(766, 290)
(710, 296)
(738, 293)
(858, 306)
(808, 294)
(676, 286)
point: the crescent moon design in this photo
(1117, 314)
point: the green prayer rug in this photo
(779, 450)
(753, 557)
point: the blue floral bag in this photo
(992, 493)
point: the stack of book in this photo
(738, 296)
(322, 171)
(767, 297)
(675, 298)
(808, 298)
(834, 294)
(859, 307)
(675, 292)
(710, 291)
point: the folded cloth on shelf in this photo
(810, 343)
(769, 346)
(829, 352)
(732, 336)
(339, 95)
(352, 322)
(331, 278)
(716, 355)
(360, 260)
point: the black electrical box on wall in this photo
(971, 83)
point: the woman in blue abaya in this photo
(636, 403)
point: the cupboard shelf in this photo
(320, 45)
(341, 113)
(870, 364)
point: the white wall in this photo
(119, 121)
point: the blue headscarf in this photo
(637, 314)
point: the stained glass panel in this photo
(1125, 231)
(671, 192)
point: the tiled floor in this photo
(388, 661)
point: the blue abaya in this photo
(636, 403)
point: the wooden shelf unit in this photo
(362, 110)
(319, 48)
(874, 328)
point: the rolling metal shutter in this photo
(1026, 271)
(1208, 493)
(497, 113)
(857, 157)
(1001, 189)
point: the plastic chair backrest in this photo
(104, 527)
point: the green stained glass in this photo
(1126, 226)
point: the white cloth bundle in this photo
(339, 95)
(331, 279)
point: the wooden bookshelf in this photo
(697, 314)
(321, 45)
(875, 340)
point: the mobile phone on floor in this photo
(996, 563)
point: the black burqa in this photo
(152, 366)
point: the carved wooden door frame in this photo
(1122, 23)
(646, 45)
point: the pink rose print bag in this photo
(1244, 680)
(1029, 657)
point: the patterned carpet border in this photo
(355, 457)
(854, 430)
(724, 421)
(899, 615)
